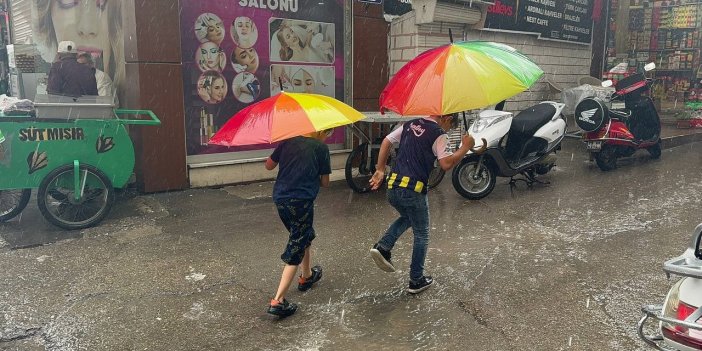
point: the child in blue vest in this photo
(304, 166)
(422, 141)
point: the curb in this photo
(678, 140)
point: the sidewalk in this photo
(673, 136)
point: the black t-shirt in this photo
(68, 77)
(301, 161)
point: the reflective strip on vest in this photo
(392, 180)
(406, 182)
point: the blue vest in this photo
(415, 158)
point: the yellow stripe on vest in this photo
(392, 180)
(404, 182)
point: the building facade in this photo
(196, 63)
(556, 35)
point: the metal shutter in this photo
(20, 21)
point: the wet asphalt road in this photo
(559, 267)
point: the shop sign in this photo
(236, 53)
(567, 20)
(394, 8)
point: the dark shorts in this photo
(297, 216)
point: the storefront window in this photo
(240, 52)
(664, 32)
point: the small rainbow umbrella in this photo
(459, 77)
(284, 116)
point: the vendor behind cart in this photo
(104, 83)
(67, 76)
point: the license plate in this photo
(594, 145)
(618, 105)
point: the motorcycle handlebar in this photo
(649, 83)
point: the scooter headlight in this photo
(479, 125)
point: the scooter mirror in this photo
(650, 66)
(607, 83)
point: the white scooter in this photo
(680, 316)
(519, 145)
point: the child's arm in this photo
(379, 174)
(270, 164)
(324, 180)
(324, 161)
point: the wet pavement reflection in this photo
(564, 266)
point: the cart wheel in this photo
(12, 202)
(358, 171)
(436, 176)
(57, 202)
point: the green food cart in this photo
(75, 151)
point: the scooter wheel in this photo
(473, 179)
(607, 158)
(655, 150)
(542, 169)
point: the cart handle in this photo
(154, 121)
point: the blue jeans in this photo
(414, 212)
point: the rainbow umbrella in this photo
(284, 116)
(459, 77)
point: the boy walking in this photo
(422, 141)
(304, 166)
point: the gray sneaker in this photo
(422, 284)
(382, 258)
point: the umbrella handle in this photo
(465, 122)
(450, 35)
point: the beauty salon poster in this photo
(236, 53)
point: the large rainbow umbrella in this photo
(284, 116)
(459, 77)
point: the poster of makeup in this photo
(236, 53)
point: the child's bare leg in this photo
(286, 279)
(305, 265)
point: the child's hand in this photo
(482, 148)
(377, 179)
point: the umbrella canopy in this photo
(284, 116)
(459, 77)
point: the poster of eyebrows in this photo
(236, 53)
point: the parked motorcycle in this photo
(614, 131)
(680, 316)
(517, 145)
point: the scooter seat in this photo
(527, 122)
(524, 126)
